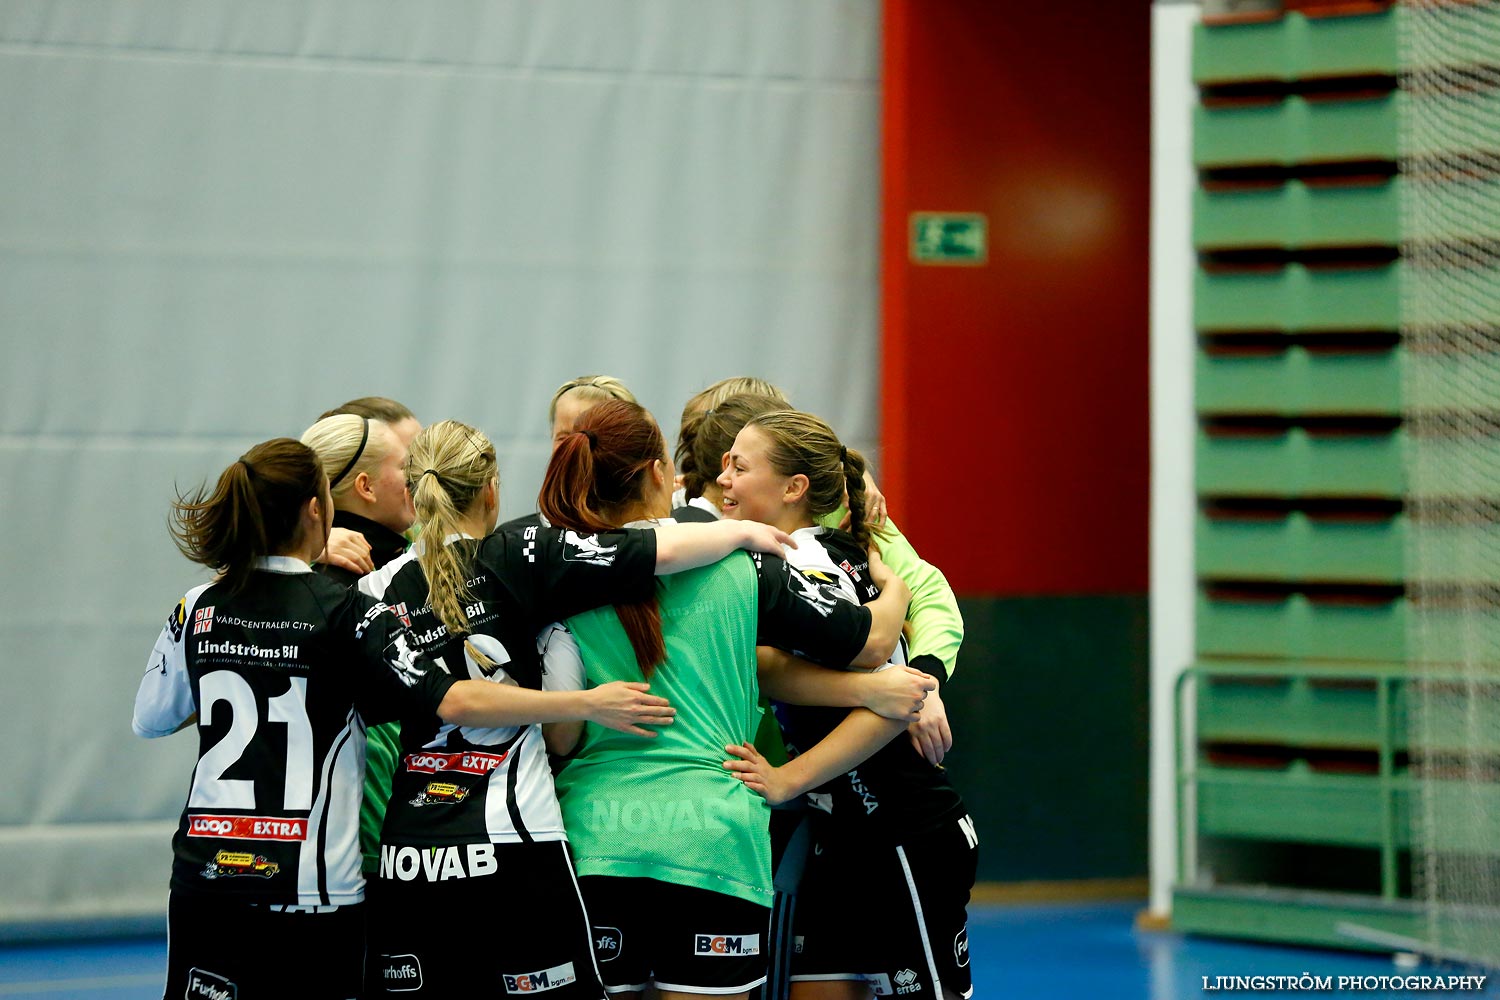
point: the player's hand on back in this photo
(626, 707)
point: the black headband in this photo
(364, 435)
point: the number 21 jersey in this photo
(282, 677)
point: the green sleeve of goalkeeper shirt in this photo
(382, 755)
(935, 625)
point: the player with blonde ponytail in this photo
(469, 476)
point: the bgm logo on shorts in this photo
(401, 973)
(961, 947)
(540, 982)
(203, 985)
(203, 620)
(609, 943)
(726, 944)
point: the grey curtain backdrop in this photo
(218, 219)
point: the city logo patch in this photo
(401, 613)
(961, 947)
(845, 565)
(609, 943)
(177, 620)
(540, 982)
(203, 985)
(401, 973)
(906, 981)
(726, 944)
(586, 548)
(203, 620)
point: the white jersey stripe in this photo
(916, 902)
(588, 928)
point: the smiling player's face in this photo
(753, 490)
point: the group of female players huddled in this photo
(679, 729)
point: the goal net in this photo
(1448, 796)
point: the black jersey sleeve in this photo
(556, 573)
(807, 616)
(931, 665)
(395, 679)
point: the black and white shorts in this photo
(678, 937)
(219, 947)
(481, 920)
(919, 947)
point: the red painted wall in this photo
(1015, 435)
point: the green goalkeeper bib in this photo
(666, 808)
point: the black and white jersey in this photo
(462, 785)
(282, 677)
(895, 793)
(800, 613)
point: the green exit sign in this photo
(947, 238)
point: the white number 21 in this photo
(211, 790)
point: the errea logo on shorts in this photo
(540, 982)
(726, 944)
(906, 981)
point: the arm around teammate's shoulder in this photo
(682, 547)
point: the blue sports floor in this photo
(1036, 952)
